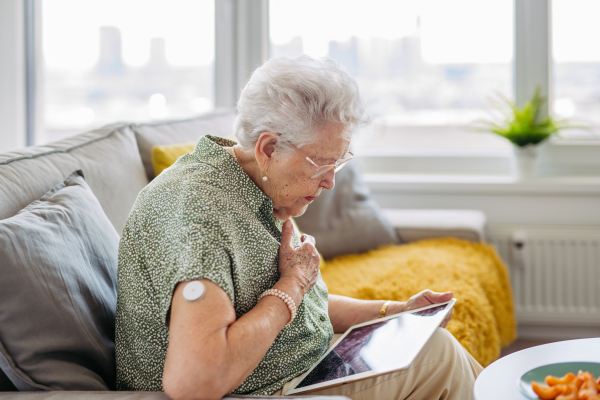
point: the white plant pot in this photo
(525, 162)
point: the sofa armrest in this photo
(413, 225)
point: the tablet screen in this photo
(378, 348)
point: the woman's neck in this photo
(250, 167)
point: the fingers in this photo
(435, 297)
(287, 234)
(308, 239)
(446, 296)
(427, 297)
(309, 245)
(301, 262)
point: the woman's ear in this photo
(265, 146)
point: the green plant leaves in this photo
(523, 126)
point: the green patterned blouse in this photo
(204, 218)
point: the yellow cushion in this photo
(483, 319)
(165, 156)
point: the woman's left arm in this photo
(345, 311)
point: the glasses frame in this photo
(323, 169)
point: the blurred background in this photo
(426, 68)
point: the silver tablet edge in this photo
(357, 377)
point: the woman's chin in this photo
(299, 211)
(294, 211)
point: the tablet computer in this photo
(374, 348)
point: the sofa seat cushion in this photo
(109, 156)
(58, 292)
(413, 225)
(137, 396)
(218, 123)
(483, 319)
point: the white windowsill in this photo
(483, 184)
(564, 167)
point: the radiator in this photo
(555, 272)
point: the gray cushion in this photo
(218, 123)
(347, 220)
(58, 292)
(109, 156)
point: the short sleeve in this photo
(198, 257)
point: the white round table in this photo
(499, 380)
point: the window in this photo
(427, 68)
(576, 56)
(124, 60)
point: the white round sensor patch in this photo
(194, 291)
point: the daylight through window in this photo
(124, 60)
(427, 68)
(576, 57)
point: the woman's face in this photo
(289, 174)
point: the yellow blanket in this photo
(483, 319)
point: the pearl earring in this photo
(265, 178)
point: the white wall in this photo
(12, 75)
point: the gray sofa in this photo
(116, 163)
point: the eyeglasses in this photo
(322, 170)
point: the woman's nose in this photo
(328, 180)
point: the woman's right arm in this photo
(210, 353)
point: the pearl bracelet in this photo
(289, 302)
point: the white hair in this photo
(297, 98)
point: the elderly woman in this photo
(218, 293)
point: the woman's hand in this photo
(298, 266)
(422, 299)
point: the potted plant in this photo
(524, 128)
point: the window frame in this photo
(12, 75)
(242, 43)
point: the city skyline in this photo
(402, 86)
(183, 24)
(109, 90)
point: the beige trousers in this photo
(443, 370)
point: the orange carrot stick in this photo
(588, 389)
(569, 394)
(545, 392)
(553, 380)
